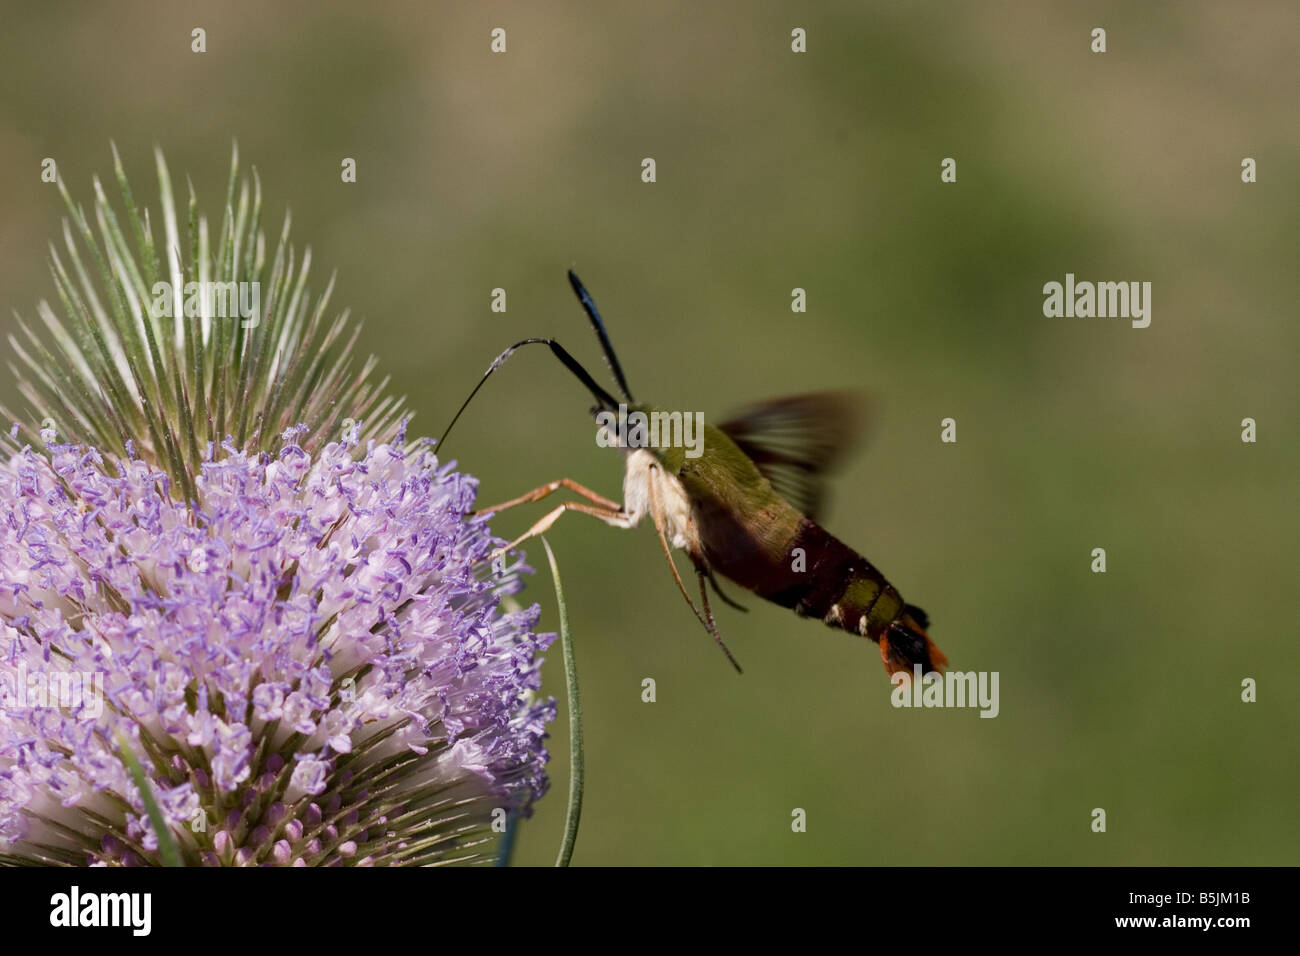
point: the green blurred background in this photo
(776, 170)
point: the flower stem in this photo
(166, 843)
(507, 848)
(577, 767)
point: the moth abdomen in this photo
(848, 592)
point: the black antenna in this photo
(590, 306)
(605, 400)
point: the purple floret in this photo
(311, 660)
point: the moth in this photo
(742, 503)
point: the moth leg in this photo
(718, 591)
(657, 513)
(713, 626)
(549, 488)
(611, 516)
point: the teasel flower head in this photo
(223, 564)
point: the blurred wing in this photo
(794, 441)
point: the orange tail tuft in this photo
(906, 644)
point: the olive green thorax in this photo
(717, 453)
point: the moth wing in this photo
(794, 441)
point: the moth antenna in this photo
(589, 306)
(603, 398)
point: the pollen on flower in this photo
(309, 659)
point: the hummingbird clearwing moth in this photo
(744, 505)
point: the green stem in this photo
(166, 842)
(507, 848)
(577, 768)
